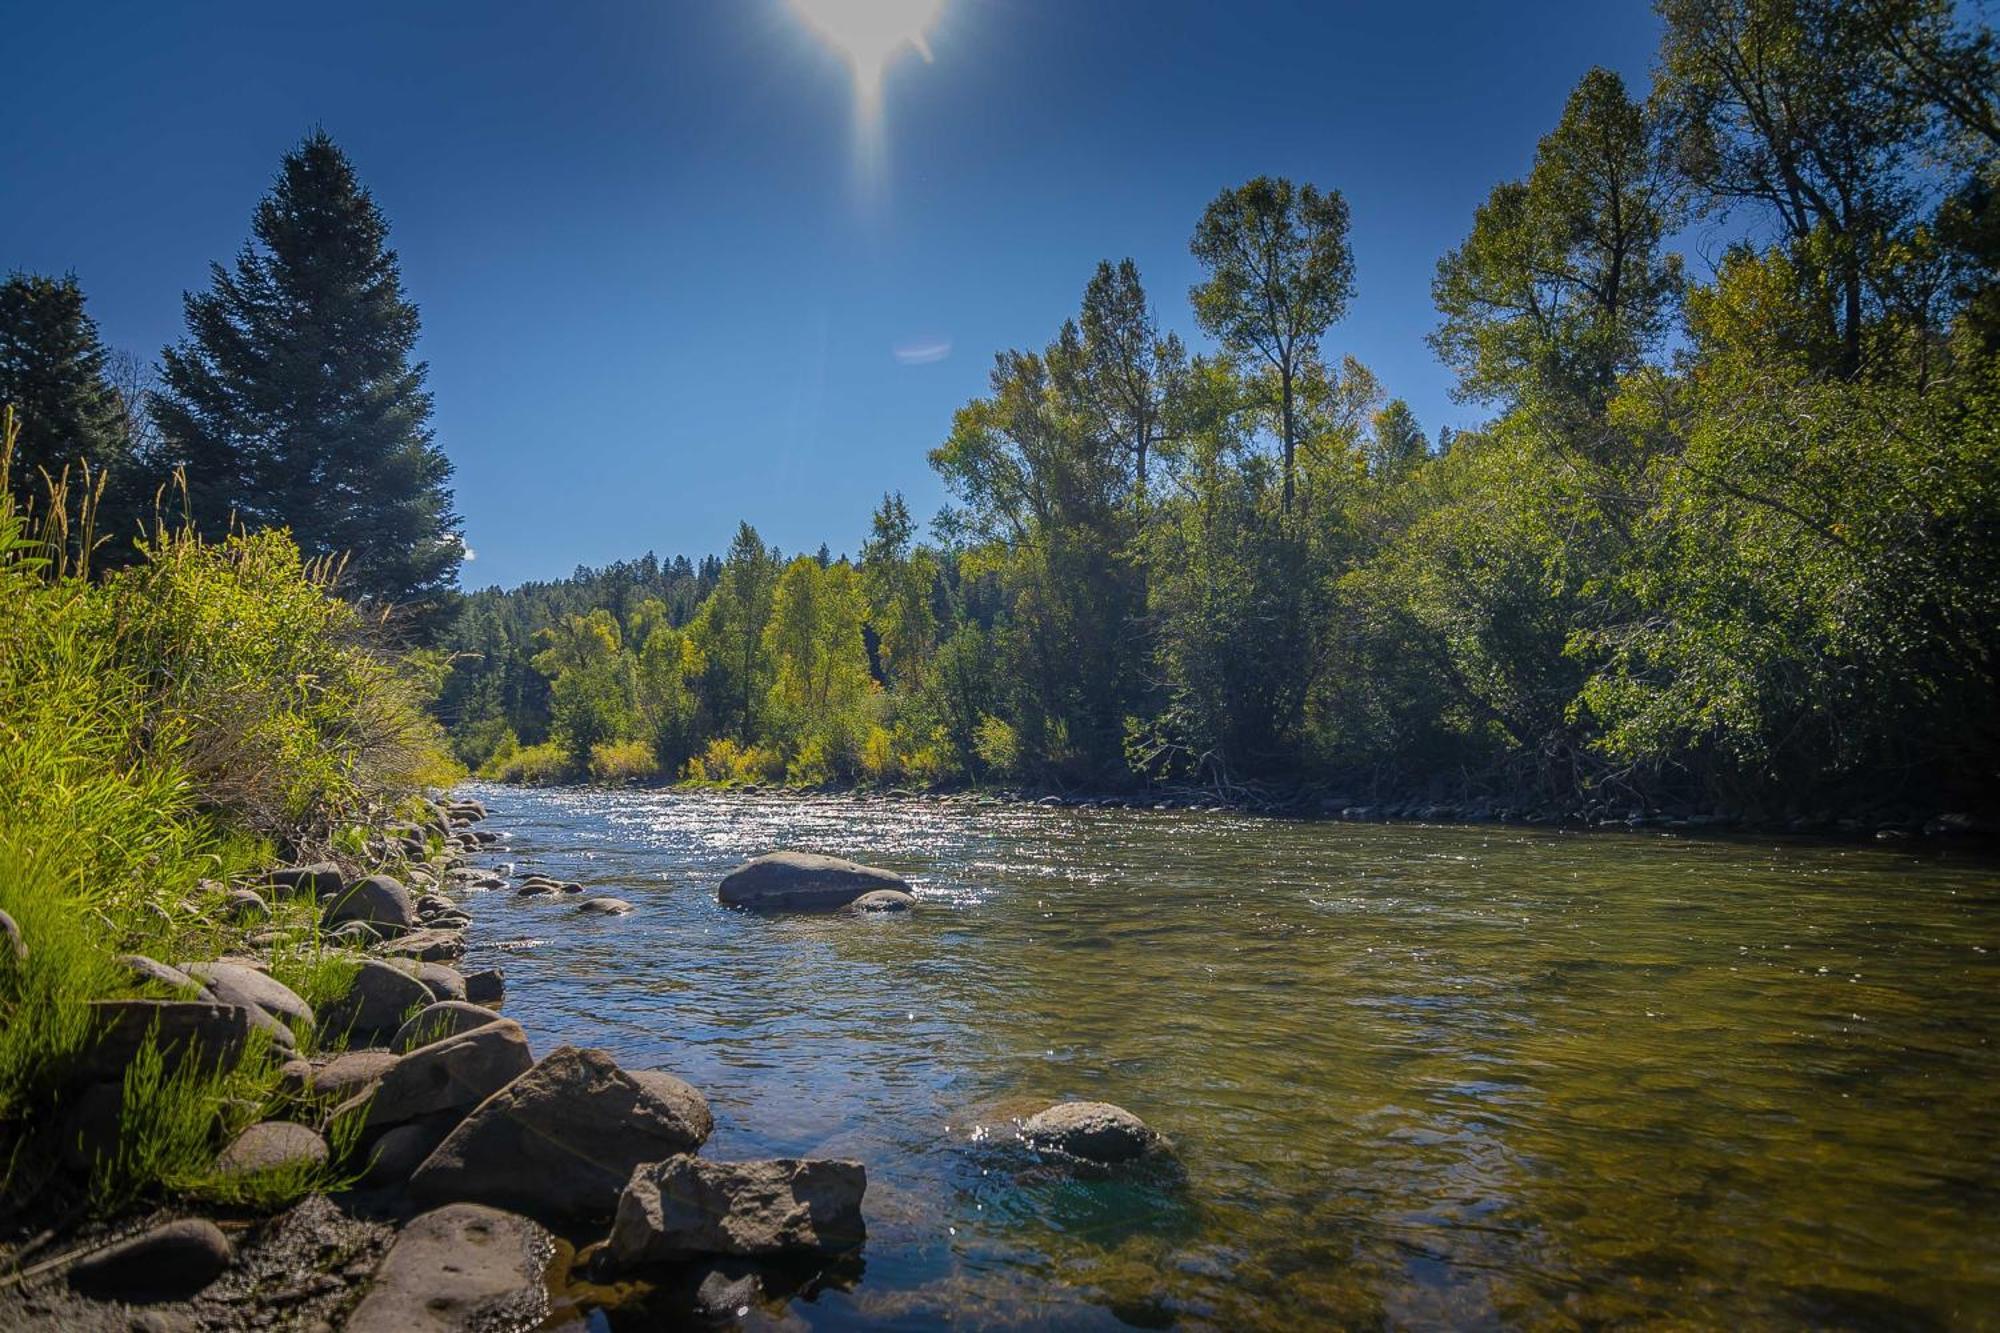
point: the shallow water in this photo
(1415, 1076)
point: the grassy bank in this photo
(162, 730)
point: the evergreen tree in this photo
(294, 400)
(53, 370)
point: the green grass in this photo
(162, 731)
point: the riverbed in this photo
(1431, 1076)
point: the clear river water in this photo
(1415, 1076)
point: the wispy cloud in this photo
(923, 352)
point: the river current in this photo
(1415, 1076)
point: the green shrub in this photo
(621, 761)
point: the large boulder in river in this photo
(559, 1142)
(687, 1206)
(459, 1268)
(1092, 1131)
(802, 882)
(376, 1002)
(379, 900)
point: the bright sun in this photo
(870, 32)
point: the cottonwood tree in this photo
(1279, 276)
(1129, 368)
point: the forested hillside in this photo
(1728, 535)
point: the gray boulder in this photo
(377, 1001)
(171, 1261)
(687, 1206)
(346, 1075)
(604, 906)
(456, 1270)
(802, 882)
(559, 1142)
(443, 982)
(321, 879)
(235, 983)
(1092, 1131)
(379, 900)
(146, 971)
(446, 1018)
(451, 1075)
(245, 908)
(196, 1032)
(271, 1146)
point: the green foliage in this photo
(293, 401)
(1727, 541)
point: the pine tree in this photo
(53, 370)
(294, 400)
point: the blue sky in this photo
(660, 292)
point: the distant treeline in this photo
(1726, 539)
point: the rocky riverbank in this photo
(468, 1171)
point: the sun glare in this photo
(870, 33)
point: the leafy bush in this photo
(621, 761)
(532, 764)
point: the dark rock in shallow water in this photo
(459, 1268)
(487, 986)
(687, 1206)
(803, 882)
(1093, 1131)
(170, 1262)
(683, 1096)
(559, 1142)
(604, 906)
(270, 1146)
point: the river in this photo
(1415, 1076)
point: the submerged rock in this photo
(170, 1262)
(1093, 1131)
(884, 900)
(559, 1142)
(459, 1268)
(604, 906)
(804, 882)
(686, 1206)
